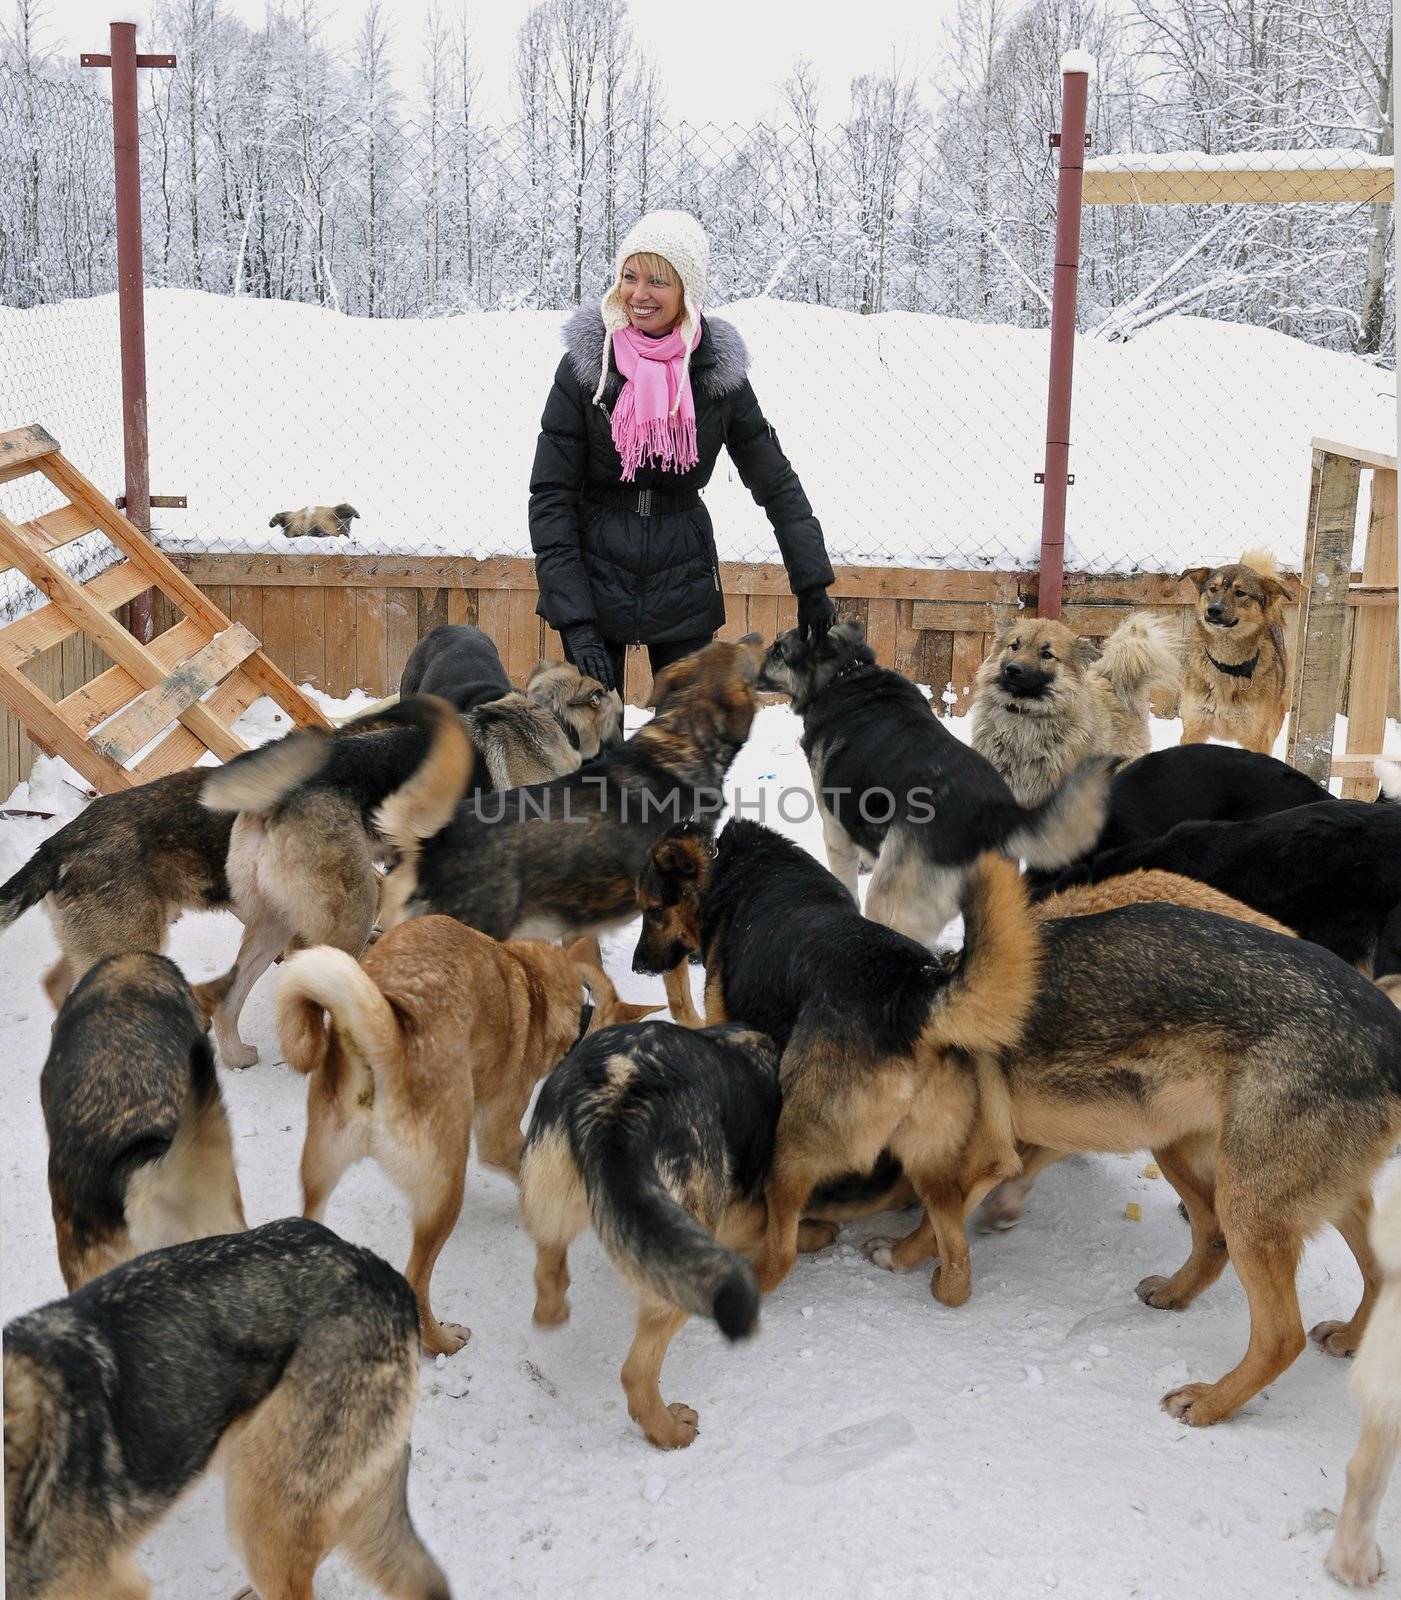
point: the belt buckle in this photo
(644, 502)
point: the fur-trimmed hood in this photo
(719, 365)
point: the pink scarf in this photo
(654, 420)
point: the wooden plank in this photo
(1368, 458)
(309, 636)
(907, 638)
(967, 658)
(880, 630)
(246, 606)
(340, 641)
(935, 666)
(1182, 185)
(180, 749)
(55, 528)
(1323, 605)
(493, 618)
(51, 733)
(462, 607)
(190, 680)
(371, 658)
(523, 634)
(788, 612)
(93, 702)
(763, 616)
(948, 616)
(40, 630)
(400, 630)
(21, 448)
(432, 610)
(1374, 659)
(277, 626)
(637, 677)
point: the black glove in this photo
(584, 646)
(816, 614)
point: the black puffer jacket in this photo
(651, 579)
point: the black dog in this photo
(1331, 871)
(457, 662)
(894, 787)
(663, 1136)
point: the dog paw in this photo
(1336, 1338)
(882, 1253)
(246, 1055)
(1193, 1404)
(813, 1235)
(679, 1430)
(551, 1316)
(1358, 1565)
(1156, 1292)
(448, 1340)
(951, 1288)
(1001, 1211)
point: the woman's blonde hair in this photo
(654, 266)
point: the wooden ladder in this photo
(162, 705)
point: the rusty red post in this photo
(131, 304)
(1055, 476)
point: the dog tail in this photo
(422, 805)
(328, 981)
(995, 980)
(1139, 656)
(36, 878)
(1068, 822)
(656, 1242)
(1388, 776)
(263, 778)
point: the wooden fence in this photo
(345, 622)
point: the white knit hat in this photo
(678, 238)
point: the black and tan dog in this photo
(1235, 678)
(442, 1031)
(1045, 698)
(1163, 1028)
(316, 522)
(663, 1137)
(876, 1032)
(303, 848)
(561, 860)
(897, 789)
(290, 1354)
(139, 1147)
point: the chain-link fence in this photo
(349, 305)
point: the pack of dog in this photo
(282, 1355)
(1045, 698)
(898, 792)
(441, 1029)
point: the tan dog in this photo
(591, 716)
(439, 1022)
(1046, 698)
(1235, 681)
(316, 522)
(1376, 1388)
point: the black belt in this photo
(644, 502)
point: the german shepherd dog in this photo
(1376, 1389)
(1330, 871)
(1161, 1028)
(561, 859)
(289, 1354)
(316, 522)
(139, 1148)
(896, 788)
(1235, 679)
(661, 1136)
(439, 1028)
(561, 719)
(878, 1036)
(1045, 698)
(302, 851)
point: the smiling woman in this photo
(647, 394)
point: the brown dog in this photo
(439, 1022)
(316, 522)
(1046, 698)
(1235, 679)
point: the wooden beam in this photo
(1368, 458)
(45, 726)
(21, 448)
(1374, 642)
(1323, 612)
(1182, 185)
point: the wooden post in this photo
(1323, 585)
(1374, 658)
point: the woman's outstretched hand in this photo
(816, 614)
(588, 652)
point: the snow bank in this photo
(1242, 161)
(917, 437)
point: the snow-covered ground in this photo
(1013, 1447)
(916, 436)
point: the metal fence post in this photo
(131, 304)
(1055, 474)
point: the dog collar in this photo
(585, 1012)
(1238, 669)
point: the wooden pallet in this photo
(154, 692)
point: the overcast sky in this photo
(721, 60)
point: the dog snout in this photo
(1016, 677)
(1216, 612)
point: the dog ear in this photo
(345, 512)
(751, 656)
(593, 698)
(851, 629)
(1004, 629)
(280, 520)
(1197, 576)
(631, 1011)
(673, 859)
(668, 679)
(1085, 650)
(1279, 588)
